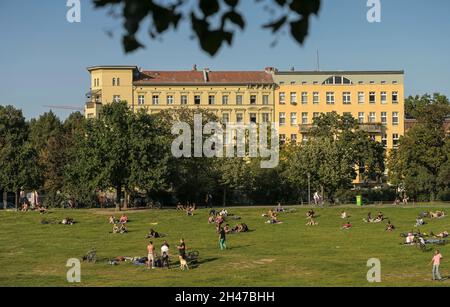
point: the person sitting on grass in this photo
(223, 213)
(347, 225)
(212, 212)
(112, 220)
(180, 207)
(310, 214)
(390, 227)
(211, 219)
(344, 215)
(369, 218)
(123, 219)
(274, 220)
(380, 217)
(419, 222)
(119, 228)
(42, 210)
(312, 222)
(25, 207)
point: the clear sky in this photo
(43, 58)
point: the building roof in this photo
(203, 77)
(342, 72)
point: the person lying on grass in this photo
(410, 239)
(347, 225)
(227, 229)
(390, 227)
(344, 215)
(240, 228)
(312, 222)
(437, 214)
(274, 220)
(153, 234)
(68, 221)
(441, 235)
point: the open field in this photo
(289, 254)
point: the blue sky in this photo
(43, 58)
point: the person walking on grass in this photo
(436, 262)
(151, 255)
(222, 239)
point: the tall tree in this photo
(17, 157)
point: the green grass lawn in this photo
(289, 254)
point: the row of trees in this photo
(131, 153)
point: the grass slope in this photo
(289, 254)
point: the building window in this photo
(225, 99)
(316, 115)
(395, 140)
(361, 117)
(384, 118)
(114, 82)
(265, 100)
(330, 97)
(252, 99)
(361, 97)
(239, 100)
(225, 118)
(394, 97)
(282, 139)
(141, 100)
(265, 117)
(383, 97)
(253, 118)
(116, 98)
(372, 97)
(282, 118)
(372, 117)
(239, 118)
(337, 80)
(155, 99)
(346, 97)
(293, 98)
(304, 118)
(293, 139)
(169, 99)
(316, 98)
(384, 140)
(395, 118)
(304, 97)
(282, 98)
(197, 99)
(184, 99)
(211, 99)
(118, 81)
(293, 118)
(304, 139)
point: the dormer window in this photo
(337, 80)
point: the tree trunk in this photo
(118, 197)
(16, 199)
(125, 200)
(224, 196)
(5, 200)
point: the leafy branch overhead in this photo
(213, 22)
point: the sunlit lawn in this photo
(289, 254)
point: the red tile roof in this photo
(197, 77)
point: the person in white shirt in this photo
(410, 238)
(165, 254)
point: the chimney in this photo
(270, 70)
(206, 74)
(194, 68)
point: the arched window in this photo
(337, 80)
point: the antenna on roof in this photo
(318, 60)
(292, 68)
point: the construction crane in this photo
(65, 108)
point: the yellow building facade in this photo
(237, 97)
(374, 98)
(292, 99)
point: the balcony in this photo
(306, 128)
(371, 128)
(92, 104)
